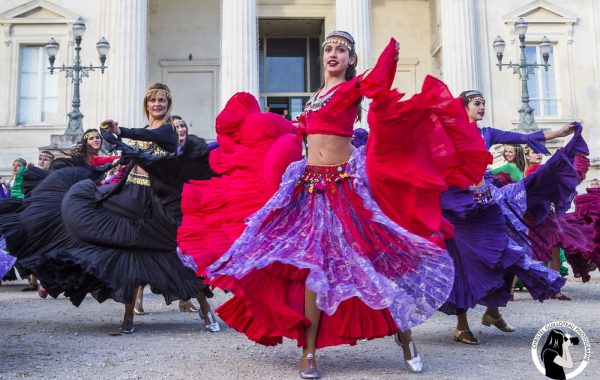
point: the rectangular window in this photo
(286, 65)
(542, 84)
(38, 90)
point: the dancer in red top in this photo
(534, 161)
(343, 250)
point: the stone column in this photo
(353, 16)
(461, 51)
(125, 25)
(239, 48)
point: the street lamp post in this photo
(76, 72)
(523, 69)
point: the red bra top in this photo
(334, 112)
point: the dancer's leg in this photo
(463, 332)
(187, 305)
(313, 314)
(406, 338)
(492, 316)
(128, 312)
(127, 324)
(210, 322)
(411, 356)
(139, 301)
(493, 312)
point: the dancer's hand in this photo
(111, 126)
(566, 130)
(397, 56)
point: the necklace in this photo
(315, 103)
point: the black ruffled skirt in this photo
(77, 245)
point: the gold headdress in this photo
(89, 133)
(153, 91)
(339, 37)
(467, 96)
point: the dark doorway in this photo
(289, 63)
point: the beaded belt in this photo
(483, 195)
(138, 179)
(321, 176)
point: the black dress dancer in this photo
(109, 240)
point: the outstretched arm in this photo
(565, 131)
(165, 135)
(535, 140)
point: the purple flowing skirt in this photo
(6, 261)
(350, 248)
(488, 254)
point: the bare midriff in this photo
(139, 170)
(328, 149)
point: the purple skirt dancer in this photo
(489, 247)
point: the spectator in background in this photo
(45, 159)
(286, 114)
(182, 129)
(14, 184)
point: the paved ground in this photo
(51, 339)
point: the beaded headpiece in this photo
(467, 96)
(22, 161)
(179, 122)
(88, 134)
(153, 91)
(339, 37)
(47, 154)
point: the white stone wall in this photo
(409, 23)
(577, 58)
(176, 30)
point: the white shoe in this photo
(414, 364)
(213, 326)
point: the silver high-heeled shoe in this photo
(213, 326)
(414, 364)
(310, 372)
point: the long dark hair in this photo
(555, 341)
(519, 156)
(351, 70)
(351, 74)
(82, 149)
